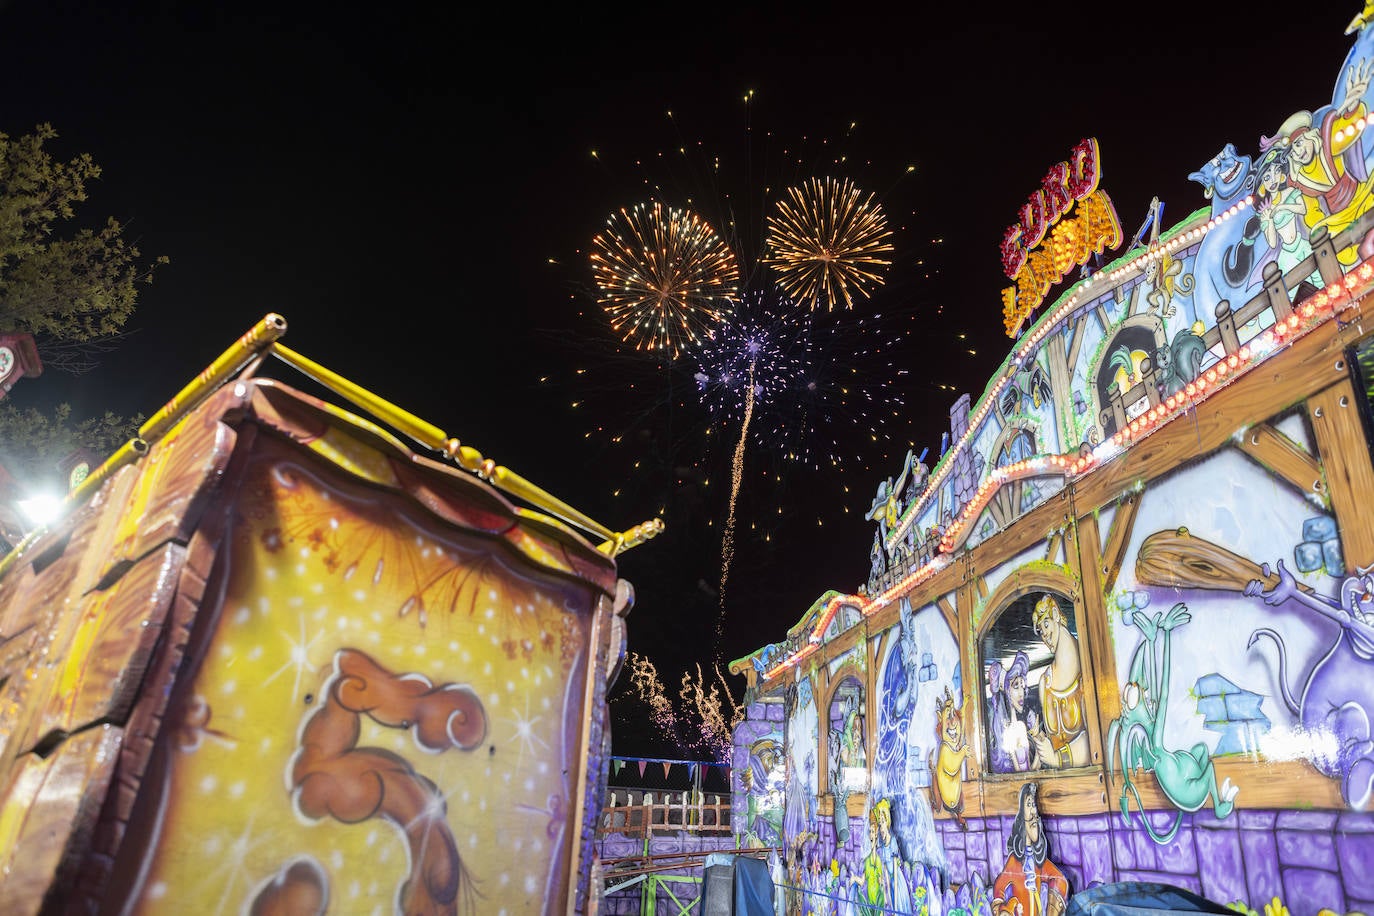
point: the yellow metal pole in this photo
(426, 434)
(258, 338)
(244, 350)
(467, 457)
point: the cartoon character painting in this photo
(1064, 741)
(1338, 696)
(887, 503)
(1136, 739)
(1010, 721)
(763, 814)
(1326, 160)
(885, 887)
(947, 789)
(911, 820)
(1227, 256)
(1281, 210)
(1030, 884)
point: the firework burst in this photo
(825, 241)
(758, 353)
(664, 276)
(823, 392)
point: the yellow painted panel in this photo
(386, 707)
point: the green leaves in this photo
(32, 441)
(81, 285)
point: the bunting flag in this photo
(666, 767)
(642, 765)
(617, 766)
(692, 771)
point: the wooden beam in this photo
(1053, 545)
(1094, 631)
(1118, 539)
(1077, 343)
(1282, 380)
(1280, 455)
(950, 613)
(972, 681)
(1345, 459)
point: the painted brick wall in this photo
(1311, 860)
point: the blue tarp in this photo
(753, 887)
(1139, 898)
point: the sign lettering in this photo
(1092, 229)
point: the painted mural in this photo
(1149, 540)
(296, 668)
(386, 659)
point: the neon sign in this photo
(1094, 228)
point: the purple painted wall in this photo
(1311, 860)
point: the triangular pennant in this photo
(692, 772)
(617, 766)
(642, 764)
(666, 767)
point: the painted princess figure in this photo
(1010, 732)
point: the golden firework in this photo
(664, 275)
(825, 241)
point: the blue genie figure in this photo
(911, 820)
(1228, 254)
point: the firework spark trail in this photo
(727, 547)
(703, 722)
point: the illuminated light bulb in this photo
(1211, 224)
(1203, 382)
(1211, 375)
(1190, 389)
(1221, 369)
(1244, 353)
(1293, 322)
(1366, 271)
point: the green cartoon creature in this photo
(1135, 739)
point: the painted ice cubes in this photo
(1320, 547)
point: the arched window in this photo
(847, 755)
(1020, 447)
(1036, 711)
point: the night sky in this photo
(415, 193)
